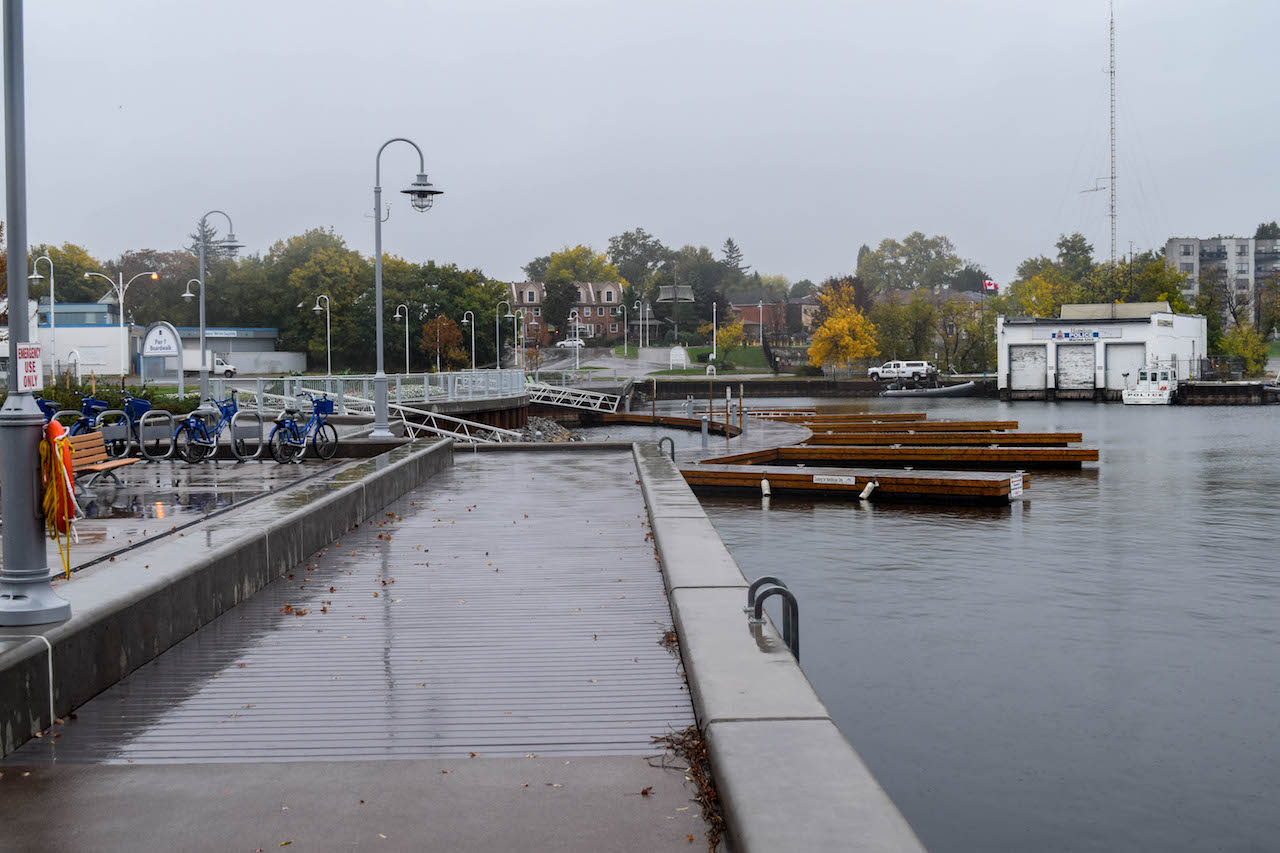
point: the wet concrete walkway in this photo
(498, 628)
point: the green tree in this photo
(905, 325)
(1247, 343)
(557, 301)
(1267, 231)
(580, 264)
(636, 254)
(536, 269)
(969, 278)
(1075, 256)
(917, 261)
(732, 259)
(801, 289)
(70, 263)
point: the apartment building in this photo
(1246, 261)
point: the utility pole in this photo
(1112, 9)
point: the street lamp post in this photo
(53, 311)
(761, 309)
(121, 287)
(573, 315)
(405, 317)
(469, 319)
(229, 243)
(421, 196)
(715, 330)
(328, 337)
(624, 328)
(497, 330)
(26, 596)
(517, 329)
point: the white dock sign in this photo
(1015, 486)
(30, 376)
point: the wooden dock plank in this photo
(940, 457)
(956, 439)
(923, 486)
(920, 426)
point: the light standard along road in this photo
(405, 317)
(472, 323)
(761, 309)
(624, 328)
(715, 332)
(497, 330)
(516, 329)
(121, 288)
(230, 245)
(421, 196)
(26, 595)
(328, 338)
(573, 315)
(53, 311)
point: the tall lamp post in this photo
(573, 315)
(760, 307)
(405, 317)
(328, 337)
(624, 327)
(469, 319)
(53, 310)
(230, 245)
(26, 596)
(421, 196)
(121, 287)
(715, 329)
(517, 326)
(497, 330)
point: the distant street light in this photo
(573, 315)
(497, 330)
(421, 196)
(516, 329)
(624, 327)
(328, 338)
(472, 323)
(761, 307)
(121, 287)
(715, 331)
(406, 334)
(53, 309)
(230, 244)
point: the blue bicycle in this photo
(193, 440)
(134, 409)
(90, 408)
(48, 408)
(289, 441)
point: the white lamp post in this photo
(53, 311)
(573, 315)
(328, 337)
(497, 330)
(405, 317)
(421, 196)
(121, 287)
(715, 330)
(229, 243)
(761, 309)
(517, 326)
(469, 319)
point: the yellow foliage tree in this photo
(844, 337)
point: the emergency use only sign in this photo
(30, 377)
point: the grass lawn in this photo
(701, 371)
(1275, 349)
(627, 351)
(741, 357)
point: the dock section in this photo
(980, 488)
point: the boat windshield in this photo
(1142, 376)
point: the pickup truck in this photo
(898, 370)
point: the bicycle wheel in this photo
(285, 446)
(325, 441)
(118, 448)
(188, 445)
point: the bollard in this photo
(706, 421)
(258, 395)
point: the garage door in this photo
(1076, 365)
(1027, 367)
(1122, 359)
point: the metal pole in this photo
(328, 339)
(714, 334)
(124, 341)
(204, 366)
(26, 596)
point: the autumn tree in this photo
(442, 339)
(844, 338)
(1247, 343)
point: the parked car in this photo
(573, 343)
(913, 370)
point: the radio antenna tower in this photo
(1112, 8)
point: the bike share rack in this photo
(790, 610)
(71, 413)
(239, 432)
(117, 430)
(146, 431)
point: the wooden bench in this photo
(89, 457)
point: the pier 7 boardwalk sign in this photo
(161, 341)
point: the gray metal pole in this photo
(204, 367)
(380, 427)
(26, 595)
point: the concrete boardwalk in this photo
(501, 610)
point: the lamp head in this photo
(189, 295)
(466, 321)
(35, 276)
(316, 308)
(155, 277)
(422, 194)
(230, 244)
(509, 316)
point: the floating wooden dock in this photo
(911, 426)
(914, 486)
(955, 439)
(835, 418)
(916, 457)
(676, 422)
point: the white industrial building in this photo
(1092, 352)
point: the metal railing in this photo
(572, 398)
(353, 394)
(790, 610)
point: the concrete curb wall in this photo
(128, 612)
(786, 776)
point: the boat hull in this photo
(964, 389)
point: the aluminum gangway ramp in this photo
(572, 398)
(461, 672)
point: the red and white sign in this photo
(30, 376)
(988, 284)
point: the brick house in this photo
(597, 302)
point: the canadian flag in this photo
(988, 284)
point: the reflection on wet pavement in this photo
(151, 499)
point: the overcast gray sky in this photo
(802, 129)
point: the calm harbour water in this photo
(1094, 668)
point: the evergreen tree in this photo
(733, 258)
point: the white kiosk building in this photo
(1092, 352)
